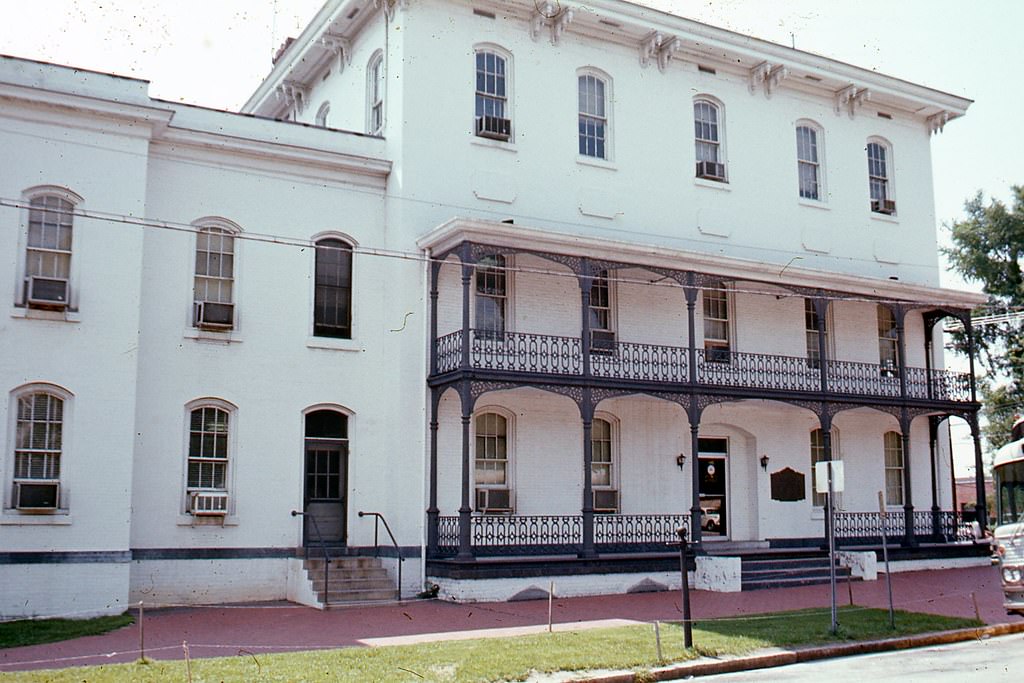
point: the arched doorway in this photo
(325, 485)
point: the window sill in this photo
(333, 344)
(207, 520)
(596, 163)
(712, 184)
(493, 144)
(228, 337)
(884, 218)
(65, 316)
(15, 518)
(814, 204)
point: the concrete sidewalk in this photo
(283, 627)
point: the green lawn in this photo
(36, 631)
(510, 659)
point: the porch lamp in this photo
(681, 461)
(764, 462)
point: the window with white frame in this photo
(491, 111)
(707, 126)
(879, 183)
(491, 296)
(209, 431)
(716, 324)
(47, 275)
(808, 162)
(818, 455)
(811, 334)
(213, 288)
(491, 463)
(603, 467)
(38, 449)
(602, 330)
(888, 354)
(332, 296)
(592, 93)
(322, 113)
(375, 94)
(894, 465)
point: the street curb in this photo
(767, 661)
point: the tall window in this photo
(602, 334)
(326, 448)
(38, 445)
(491, 464)
(215, 278)
(818, 455)
(375, 94)
(888, 356)
(48, 251)
(593, 116)
(716, 324)
(491, 296)
(807, 162)
(811, 333)
(332, 297)
(878, 178)
(602, 469)
(893, 468)
(491, 109)
(208, 432)
(708, 140)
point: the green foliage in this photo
(630, 648)
(34, 632)
(989, 249)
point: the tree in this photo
(989, 249)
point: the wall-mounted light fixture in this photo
(764, 462)
(681, 461)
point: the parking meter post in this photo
(687, 623)
(832, 549)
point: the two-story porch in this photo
(588, 397)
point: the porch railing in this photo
(563, 356)
(944, 526)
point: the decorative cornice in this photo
(553, 16)
(767, 76)
(390, 6)
(293, 94)
(936, 122)
(850, 99)
(339, 45)
(659, 47)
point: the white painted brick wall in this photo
(73, 591)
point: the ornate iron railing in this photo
(943, 526)
(637, 533)
(756, 370)
(646, 362)
(863, 379)
(523, 352)
(448, 532)
(449, 352)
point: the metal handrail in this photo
(323, 547)
(377, 519)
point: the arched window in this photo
(208, 457)
(491, 296)
(594, 133)
(491, 464)
(214, 285)
(491, 110)
(322, 113)
(604, 466)
(47, 273)
(38, 449)
(808, 161)
(332, 297)
(708, 138)
(326, 455)
(893, 468)
(375, 94)
(879, 179)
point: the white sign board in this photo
(821, 476)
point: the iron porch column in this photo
(432, 509)
(980, 505)
(933, 453)
(465, 511)
(587, 414)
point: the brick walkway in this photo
(282, 627)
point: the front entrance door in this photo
(712, 459)
(326, 480)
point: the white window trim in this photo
(21, 309)
(830, 337)
(819, 132)
(890, 178)
(191, 330)
(903, 472)
(616, 454)
(510, 455)
(322, 113)
(62, 514)
(730, 298)
(608, 160)
(723, 148)
(818, 511)
(333, 343)
(510, 113)
(351, 463)
(376, 58)
(509, 294)
(186, 518)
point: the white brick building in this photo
(479, 267)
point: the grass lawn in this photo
(36, 631)
(510, 659)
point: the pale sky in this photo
(215, 52)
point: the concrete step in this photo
(789, 582)
(810, 573)
(345, 583)
(340, 596)
(357, 573)
(342, 562)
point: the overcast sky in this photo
(215, 52)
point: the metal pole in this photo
(832, 550)
(885, 557)
(687, 624)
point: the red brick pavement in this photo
(281, 627)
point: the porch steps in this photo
(351, 579)
(784, 572)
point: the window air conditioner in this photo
(886, 206)
(602, 341)
(47, 292)
(494, 127)
(30, 495)
(209, 503)
(606, 501)
(711, 170)
(493, 501)
(717, 354)
(210, 315)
